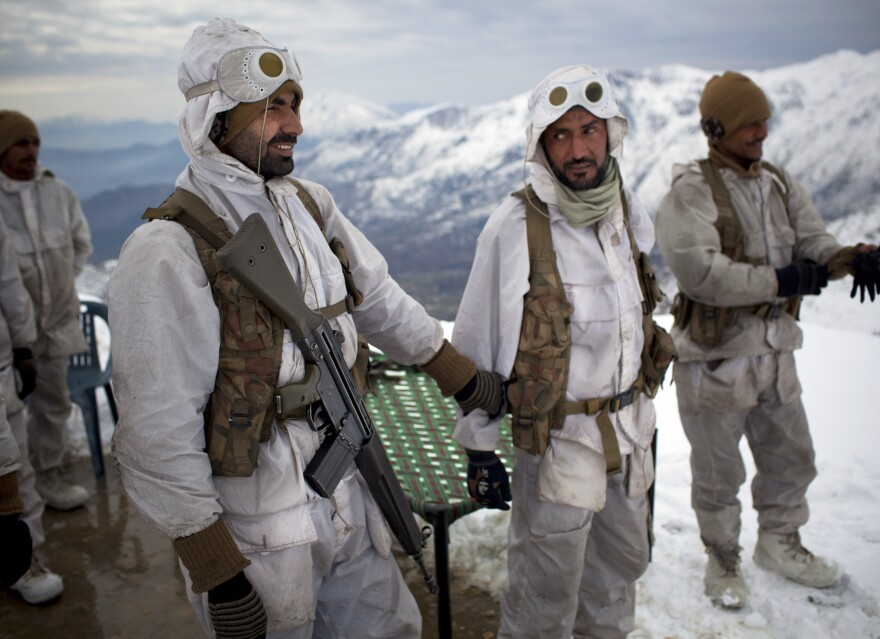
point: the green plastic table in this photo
(415, 423)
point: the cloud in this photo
(60, 57)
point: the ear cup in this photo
(713, 129)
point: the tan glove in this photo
(840, 264)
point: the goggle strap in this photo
(202, 89)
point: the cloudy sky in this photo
(117, 59)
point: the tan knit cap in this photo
(729, 102)
(15, 127)
(243, 113)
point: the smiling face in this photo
(746, 144)
(270, 155)
(577, 148)
(19, 162)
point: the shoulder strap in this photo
(779, 182)
(309, 202)
(728, 225)
(192, 212)
(537, 222)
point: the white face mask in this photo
(251, 74)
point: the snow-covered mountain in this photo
(421, 184)
(451, 161)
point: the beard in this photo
(247, 149)
(579, 185)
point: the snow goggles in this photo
(251, 74)
(593, 93)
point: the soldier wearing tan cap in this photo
(745, 242)
(45, 238)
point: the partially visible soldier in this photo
(51, 235)
(745, 242)
(15, 537)
(20, 505)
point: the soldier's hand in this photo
(15, 539)
(236, 610)
(485, 390)
(23, 361)
(803, 277)
(487, 479)
(866, 275)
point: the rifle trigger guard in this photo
(426, 535)
(317, 418)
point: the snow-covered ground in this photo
(839, 372)
(840, 375)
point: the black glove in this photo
(803, 277)
(867, 275)
(236, 610)
(24, 362)
(15, 540)
(487, 479)
(485, 390)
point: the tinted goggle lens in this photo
(593, 93)
(271, 64)
(251, 74)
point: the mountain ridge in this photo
(423, 182)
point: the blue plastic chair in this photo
(85, 374)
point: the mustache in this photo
(281, 138)
(583, 160)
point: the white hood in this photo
(607, 109)
(198, 65)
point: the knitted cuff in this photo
(450, 369)
(10, 501)
(485, 392)
(481, 457)
(210, 556)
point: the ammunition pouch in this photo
(657, 357)
(245, 401)
(706, 324)
(536, 391)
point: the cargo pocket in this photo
(725, 385)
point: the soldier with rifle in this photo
(240, 316)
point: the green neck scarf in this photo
(720, 158)
(583, 208)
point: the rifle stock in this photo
(253, 258)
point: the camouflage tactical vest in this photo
(708, 323)
(243, 405)
(536, 393)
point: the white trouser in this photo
(33, 503)
(338, 587)
(572, 571)
(48, 411)
(779, 437)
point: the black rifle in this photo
(253, 258)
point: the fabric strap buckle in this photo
(623, 399)
(774, 311)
